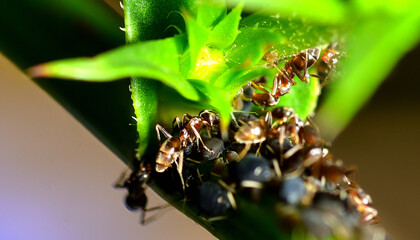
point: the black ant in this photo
(172, 150)
(136, 197)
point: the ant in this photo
(136, 197)
(253, 132)
(330, 58)
(172, 150)
(283, 80)
(363, 202)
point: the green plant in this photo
(209, 60)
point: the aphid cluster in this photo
(272, 154)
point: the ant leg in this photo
(178, 122)
(163, 131)
(259, 87)
(144, 220)
(305, 70)
(179, 166)
(244, 151)
(197, 135)
(274, 65)
(185, 117)
(269, 119)
(276, 81)
(258, 149)
(121, 181)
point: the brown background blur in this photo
(56, 178)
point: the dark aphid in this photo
(313, 220)
(136, 197)
(282, 114)
(213, 199)
(216, 145)
(252, 171)
(272, 147)
(292, 190)
(333, 215)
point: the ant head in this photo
(210, 116)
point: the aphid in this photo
(216, 145)
(328, 216)
(274, 149)
(172, 150)
(282, 114)
(292, 190)
(252, 171)
(213, 199)
(136, 197)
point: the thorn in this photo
(121, 5)
(122, 29)
(133, 117)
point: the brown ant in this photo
(172, 150)
(253, 132)
(283, 80)
(329, 58)
(363, 202)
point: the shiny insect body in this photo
(172, 150)
(136, 198)
(283, 80)
(329, 60)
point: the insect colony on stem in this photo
(272, 153)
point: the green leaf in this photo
(323, 11)
(298, 34)
(250, 46)
(374, 49)
(146, 20)
(237, 78)
(218, 98)
(156, 59)
(209, 13)
(197, 39)
(226, 31)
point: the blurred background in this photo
(56, 179)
